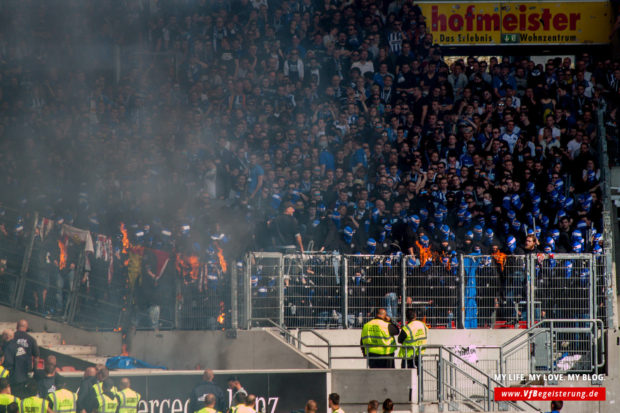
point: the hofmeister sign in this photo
(526, 22)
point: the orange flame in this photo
(222, 317)
(125, 238)
(220, 256)
(194, 265)
(62, 263)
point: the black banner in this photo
(275, 391)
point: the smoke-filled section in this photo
(157, 141)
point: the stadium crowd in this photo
(194, 123)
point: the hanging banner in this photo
(509, 23)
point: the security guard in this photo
(33, 403)
(209, 405)
(108, 402)
(128, 399)
(95, 396)
(6, 397)
(4, 372)
(412, 336)
(248, 406)
(63, 400)
(377, 342)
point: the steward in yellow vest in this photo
(248, 406)
(127, 398)
(6, 397)
(209, 404)
(412, 336)
(33, 403)
(108, 402)
(4, 372)
(377, 341)
(63, 400)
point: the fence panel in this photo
(562, 286)
(312, 290)
(374, 281)
(202, 300)
(13, 241)
(433, 288)
(603, 287)
(265, 288)
(495, 290)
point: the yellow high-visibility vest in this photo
(34, 404)
(63, 400)
(128, 401)
(417, 333)
(6, 399)
(376, 333)
(109, 404)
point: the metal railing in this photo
(553, 346)
(325, 291)
(606, 291)
(444, 377)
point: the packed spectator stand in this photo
(145, 146)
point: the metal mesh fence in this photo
(373, 282)
(471, 291)
(563, 286)
(12, 247)
(264, 280)
(201, 294)
(312, 290)
(434, 287)
(603, 288)
(494, 288)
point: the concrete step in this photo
(47, 339)
(73, 350)
(7, 325)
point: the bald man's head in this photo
(125, 383)
(90, 372)
(208, 375)
(311, 407)
(381, 313)
(210, 400)
(250, 400)
(22, 325)
(103, 373)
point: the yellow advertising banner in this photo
(527, 22)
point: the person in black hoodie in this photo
(197, 396)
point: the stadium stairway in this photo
(69, 357)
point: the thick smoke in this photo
(97, 124)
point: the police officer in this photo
(412, 336)
(128, 399)
(63, 400)
(377, 341)
(108, 402)
(6, 397)
(33, 403)
(209, 405)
